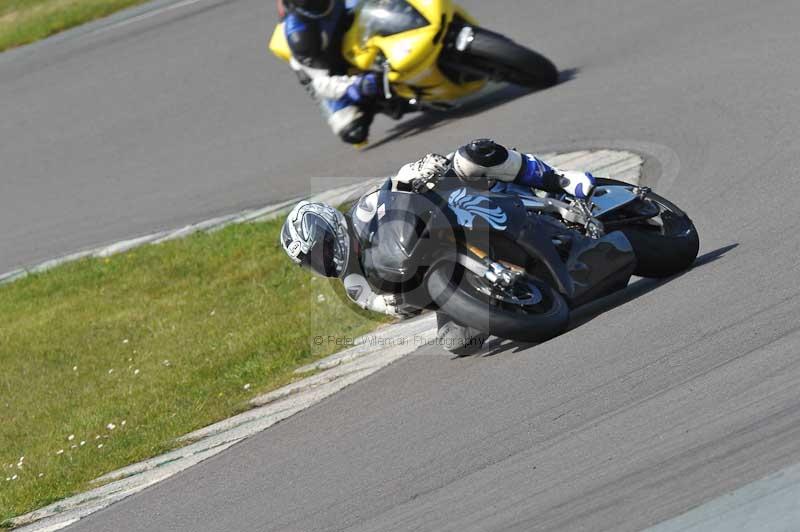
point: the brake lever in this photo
(594, 227)
(387, 87)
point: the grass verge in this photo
(26, 21)
(105, 362)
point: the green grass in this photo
(158, 341)
(25, 21)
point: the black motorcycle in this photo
(512, 263)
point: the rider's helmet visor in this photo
(326, 255)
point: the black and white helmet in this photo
(310, 8)
(315, 236)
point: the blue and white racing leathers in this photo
(317, 60)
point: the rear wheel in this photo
(528, 311)
(665, 244)
(508, 61)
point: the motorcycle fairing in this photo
(593, 267)
(390, 239)
(467, 207)
(412, 231)
(279, 45)
(599, 266)
(609, 198)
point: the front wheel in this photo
(499, 56)
(665, 244)
(529, 311)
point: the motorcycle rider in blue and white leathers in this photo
(326, 241)
(314, 31)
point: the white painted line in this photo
(617, 167)
(148, 14)
(125, 245)
(363, 345)
(69, 510)
(59, 261)
(596, 159)
(604, 163)
(12, 276)
(59, 525)
(115, 20)
(560, 160)
(342, 195)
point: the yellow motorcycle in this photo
(431, 52)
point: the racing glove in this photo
(359, 291)
(432, 165)
(578, 184)
(365, 88)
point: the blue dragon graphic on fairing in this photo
(468, 206)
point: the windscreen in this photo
(387, 17)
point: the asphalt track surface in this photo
(659, 400)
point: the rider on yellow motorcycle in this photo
(314, 30)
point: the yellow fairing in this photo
(279, 45)
(412, 55)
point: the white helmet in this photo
(315, 236)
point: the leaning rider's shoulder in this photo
(293, 24)
(367, 207)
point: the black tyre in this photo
(508, 61)
(460, 294)
(664, 249)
